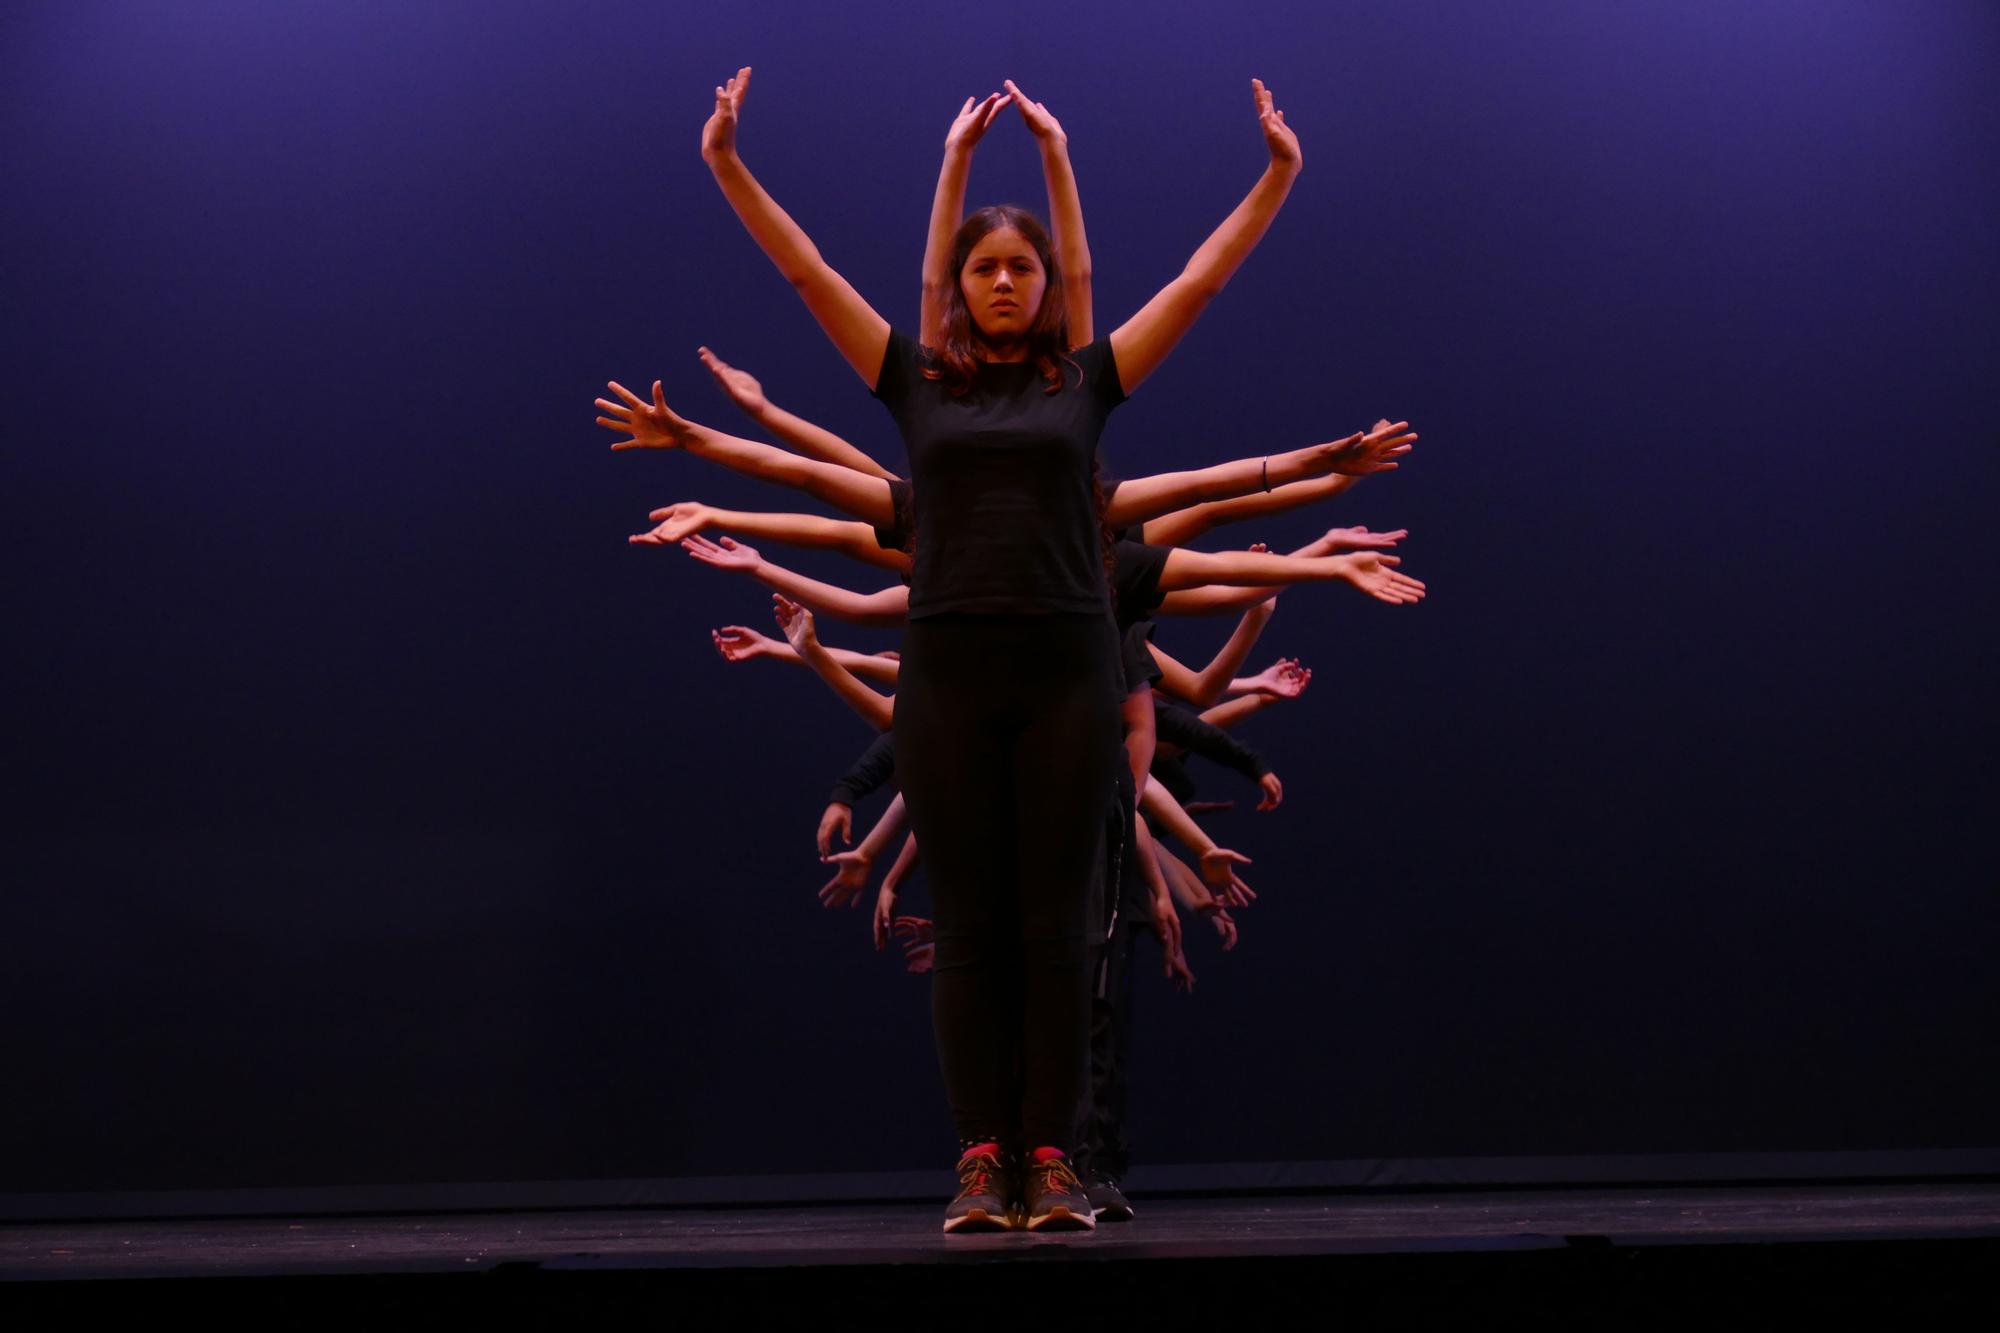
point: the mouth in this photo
(1003, 305)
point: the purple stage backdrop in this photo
(375, 814)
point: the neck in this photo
(1012, 350)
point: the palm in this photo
(795, 620)
(675, 522)
(1040, 123)
(651, 425)
(718, 136)
(849, 878)
(726, 554)
(1278, 136)
(973, 120)
(741, 386)
(740, 643)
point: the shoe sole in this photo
(1113, 1214)
(978, 1219)
(1060, 1218)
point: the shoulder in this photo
(1100, 369)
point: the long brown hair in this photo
(957, 362)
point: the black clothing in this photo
(872, 771)
(1005, 515)
(1007, 743)
(1175, 724)
(1142, 669)
(1135, 580)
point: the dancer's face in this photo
(1003, 281)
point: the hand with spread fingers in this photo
(1377, 576)
(651, 425)
(726, 553)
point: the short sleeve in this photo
(1100, 372)
(901, 532)
(901, 370)
(1136, 569)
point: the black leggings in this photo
(1007, 746)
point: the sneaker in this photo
(982, 1203)
(1107, 1202)
(1056, 1201)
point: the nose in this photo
(1003, 281)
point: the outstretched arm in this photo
(797, 622)
(740, 643)
(1143, 341)
(890, 606)
(813, 441)
(688, 517)
(1217, 863)
(948, 207)
(1204, 688)
(1366, 571)
(654, 425)
(1361, 454)
(1065, 211)
(861, 335)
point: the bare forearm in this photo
(863, 496)
(1191, 569)
(886, 607)
(848, 319)
(1163, 810)
(1204, 687)
(875, 709)
(811, 531)
(1147, 498)
(818, 442)
(1249, 699)
(1185, 525)
(886, 828)
(947, 207)
(1072, 248)
(881, 670)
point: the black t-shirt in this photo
(1006, 522)
(1141, 667)
(1135, 580)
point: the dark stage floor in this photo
(1439, 1252)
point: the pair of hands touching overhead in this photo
(718, 135)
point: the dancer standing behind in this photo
(1006, 720)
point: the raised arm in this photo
(797, 622)
(1065, 212)
(654, 425)
(812, 531)
(1361, 454)
(1143, 341)
(1204, 688)
(809, 439)
(948, 208)
(890, 606)
(740, 643)
(861, 335)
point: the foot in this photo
(982, 1203)
(1107, 1202)
(1056, 1201)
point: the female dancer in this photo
(1007, 713)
